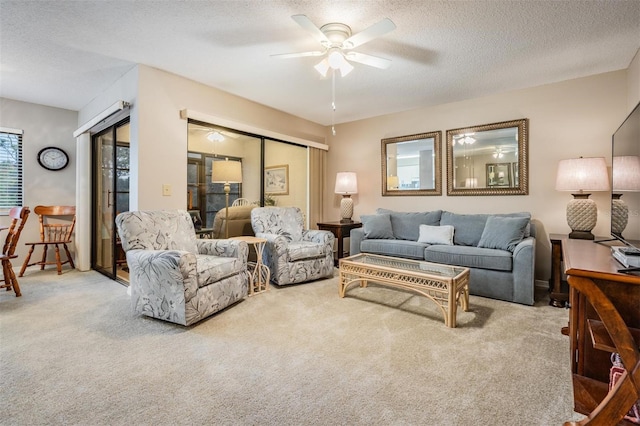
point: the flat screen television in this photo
(625, 181)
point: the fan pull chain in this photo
(333, 102)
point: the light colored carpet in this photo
(71, 352)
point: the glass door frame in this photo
(96, 179)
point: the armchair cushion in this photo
(298, 250)
(213, 268)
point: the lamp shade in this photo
(471, 183)
(626, 173)
(346, 183)
(582, 174)
(226, 172)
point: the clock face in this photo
(52, 158)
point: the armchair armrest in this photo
(161, 275)
(276, 242)
(317, 236)
(224, 248)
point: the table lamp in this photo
(226, 172)
(579, 176)
(626, 178)
(346, 184)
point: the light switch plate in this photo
(166, 189)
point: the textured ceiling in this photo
(64, 53)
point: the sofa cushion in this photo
(397, 248)
(436, 234)
(470, 257)
(469, 227)
(211, 269)
(406, 225)
(377, 226)
(299, 250)
(503, 233)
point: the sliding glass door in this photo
(110, 153)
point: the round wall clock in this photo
(52, 158)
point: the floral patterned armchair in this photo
(293, 255)
(175, 276)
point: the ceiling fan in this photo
(337, 42)
(214, 134)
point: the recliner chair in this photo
(174, 276)
(293, 254)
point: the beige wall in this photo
(567, 120)
(161, 137)
(633, 82)
(43, 126)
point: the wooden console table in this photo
(604, 318)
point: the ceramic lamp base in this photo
(619, 214)
(582, 215)
(346, 209)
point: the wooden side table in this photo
(261, 274)
(558, 289)
(340, 230)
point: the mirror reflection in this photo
(489, 159)
(411, 164)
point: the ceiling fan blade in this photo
(299, 54)
(373, 61)
(375, 30)
(315, 32)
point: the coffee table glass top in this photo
(417, 266)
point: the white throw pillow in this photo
(436, 234)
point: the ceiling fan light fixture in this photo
(322, 67)
(336, 59)
(215, 136)
(345, 68)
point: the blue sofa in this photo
(499, 249)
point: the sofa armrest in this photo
(524, 258)
(355, 238)
(224, 248)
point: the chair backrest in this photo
(241, 202)
(239, 221)
(56, 223)
(157, 230)
(18, 217)
(286, 221)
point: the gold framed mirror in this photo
(411, 164)
(490, 159)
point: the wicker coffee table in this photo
(445, 285)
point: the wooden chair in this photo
(240, 202)
(56, 227)
(18, 217)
